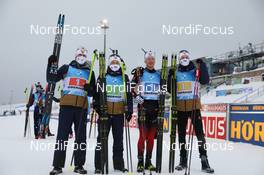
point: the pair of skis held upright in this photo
(104, 119)
(161, 114)
(173, 118)
(51, 84)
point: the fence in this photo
(250, 96)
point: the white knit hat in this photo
(149, 54)
(184, 53)
(81, 51)
(114, 57)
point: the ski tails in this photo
(173, 119)
(51, 69)
(27, 111)
(163, 82)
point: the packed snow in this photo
(210, 97)
(20, 157)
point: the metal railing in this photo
(246, 50)
(246, 98)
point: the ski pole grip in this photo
(198, 73)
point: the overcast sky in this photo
(133, 24)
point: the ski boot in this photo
(49, 133)
(182, 165)
(148, 164)
(98, 171)
(119, 165)
(140, 165)
(70, 136)
(205, 165)
(80, 170)
(56, 171)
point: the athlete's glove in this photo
(128, 116)
(87, 87)
(199, 61)
(52, 59)
(28, 106)
(139, 100)
(51, 72)
(137, 73)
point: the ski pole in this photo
(141, 117)
(95, 123)
(142, 127)
(129, 144)
(127, 132)
(91, 123)
(193, 118)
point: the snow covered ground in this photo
(18, 158)
(210, 97)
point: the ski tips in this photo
(60, 22)
(144, 50)
(101, 54)
(114, 51)
(173, 55)
(59, 19)
(165, 56)
(95, 51)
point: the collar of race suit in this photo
(182, 68)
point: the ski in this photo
(103, 118)
(160, 118)
(51, 69)
(173, 119)
(27, 111)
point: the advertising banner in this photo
(214, 120)
(247, 123)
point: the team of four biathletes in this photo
(73, 98)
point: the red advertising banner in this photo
(214, 120)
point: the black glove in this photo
(137, 72)
(87, 87)
(52, 59)
(199, 61)
(55, 99)
(51, 74)
(128, 116)
(171, 72)
(28, 106)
